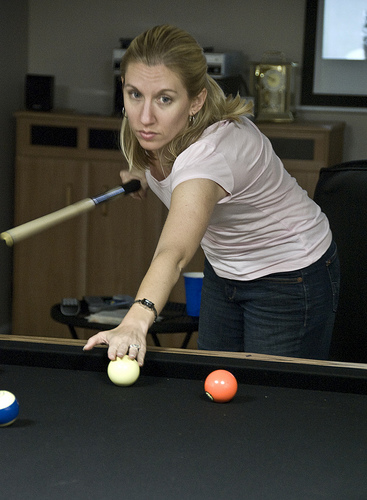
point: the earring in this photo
(191, 119)
(124, 113)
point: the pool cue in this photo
(37, 225)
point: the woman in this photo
(271, 272)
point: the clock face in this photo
(273, 80)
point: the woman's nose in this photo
(147, 115)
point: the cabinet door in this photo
(122, 235)
(50, 265)
(122, 238)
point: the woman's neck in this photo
(158, 168)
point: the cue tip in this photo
(7, 238)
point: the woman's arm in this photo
(192, 204)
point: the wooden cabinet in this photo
(305, 147)
(48, 266)
(63, 158)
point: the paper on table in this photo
(113, 317)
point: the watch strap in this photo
(148, 304)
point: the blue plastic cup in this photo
(193, 286)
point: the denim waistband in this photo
(327, 258)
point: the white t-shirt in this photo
(267, 223)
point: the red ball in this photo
(220, 386)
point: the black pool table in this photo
(294, 431)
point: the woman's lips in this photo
(146, 135)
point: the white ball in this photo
(123, 371)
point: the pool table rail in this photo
(248, 368)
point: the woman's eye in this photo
(165, 99)
(134, 94)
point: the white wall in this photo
(74, 41)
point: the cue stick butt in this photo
(7, 238)
(36, 226)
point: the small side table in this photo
(173, 319)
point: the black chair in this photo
(341, 192)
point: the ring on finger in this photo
(135, 346)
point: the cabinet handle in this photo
(68, 194)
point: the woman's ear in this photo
(198, 102)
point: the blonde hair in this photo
(179, 52)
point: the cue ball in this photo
(123, 371)
(220, 386)
(9, 408)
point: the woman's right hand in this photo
(127, 176)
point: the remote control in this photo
(70, 307)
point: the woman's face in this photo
(157, 104)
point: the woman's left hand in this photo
(127, 176)
(121, 340)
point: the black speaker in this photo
(39, 92)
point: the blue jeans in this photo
(285, 314)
